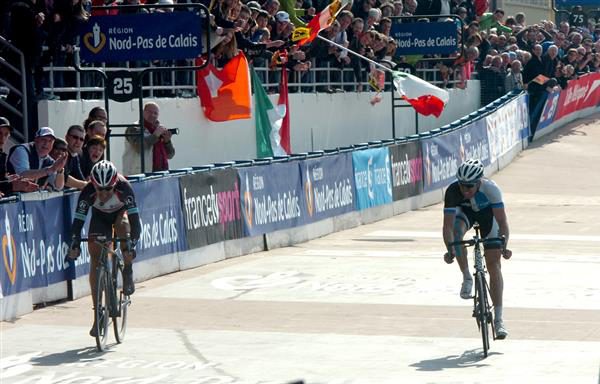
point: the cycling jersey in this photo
(488, 195)
(104, 214)
(476, 209)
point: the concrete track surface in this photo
(374, 304)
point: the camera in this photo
(174, 131)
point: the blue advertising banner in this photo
(163, 225)
(34, 245)
(572, 3)
(441, 158)
(372, 177)
(549, 110)
(328, 186)
(473, 142)
(141, 36)
(425, 38)
(271, 198)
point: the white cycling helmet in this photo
(104, 174)
(470, 171)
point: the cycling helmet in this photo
(104, 174)
(470, 171)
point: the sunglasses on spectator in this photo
(62, 149)
(104, 189)
(79, 138)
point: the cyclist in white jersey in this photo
(473, 199)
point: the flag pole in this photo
(383, 67)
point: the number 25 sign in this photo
(122, 86)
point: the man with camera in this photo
(157, 146)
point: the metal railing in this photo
(172, 84)
(20, 92)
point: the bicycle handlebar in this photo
(472, 242)
(104, 239)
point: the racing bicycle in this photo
(482, 309)
(111, 301)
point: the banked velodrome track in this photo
(374, 304)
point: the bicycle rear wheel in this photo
(122, 302)
(101, 311)
(482, 312)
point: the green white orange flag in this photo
(272, 122)
(425, 98)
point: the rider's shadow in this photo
(473, 358)
(81, 356)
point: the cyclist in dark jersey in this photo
(112, 201)
(473, 199)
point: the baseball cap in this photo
(282, 16)
(253, 5)
(45, 131)
(5, 123)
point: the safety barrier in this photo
(198, 215)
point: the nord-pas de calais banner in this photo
(141, 36)
(441, 158)
(507, 126)
(443, 154)
(372, 177)
(211, 207)
(328, 186)
(425, 38)
(163, 226)
(407, 170)
(34, 245)
(271, 198)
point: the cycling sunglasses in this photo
(467, 185)
(104, 189)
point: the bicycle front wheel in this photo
(101, 311)
(482, 311)
(122, 302)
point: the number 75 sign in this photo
(122, 86)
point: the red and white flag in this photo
(425, 98)
(323, 19)
(284, 131)
(225, 93)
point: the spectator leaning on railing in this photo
(32, 160)
(10, 183)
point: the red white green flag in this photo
(425, 98)
(272, 122)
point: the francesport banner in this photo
(211, 207)
(407, 169)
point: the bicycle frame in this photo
(114, 307)
(482, 310)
